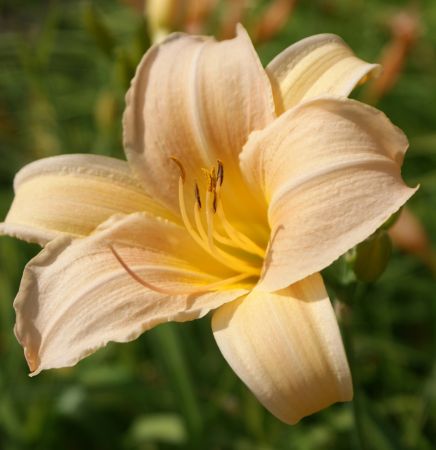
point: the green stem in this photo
(171, 354)
(357, 403)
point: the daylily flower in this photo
(241, 185)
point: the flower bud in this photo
(372, 256)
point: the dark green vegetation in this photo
(62, 81)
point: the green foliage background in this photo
(62, 81)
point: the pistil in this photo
(205, 288)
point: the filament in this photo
(199, 224)
(228, 260)
(241, 239)
(205, 238)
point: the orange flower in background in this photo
(405, 27)
(242, 183)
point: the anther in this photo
(206, 239)
(180, 166)
(214, 202)
(197, 195)
(220, 173)
(212, 180)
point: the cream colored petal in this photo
(286, 347)
(198, 100)
(75, 296)
(72, 194)
(329, 171)
(318, 65)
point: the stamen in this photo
(241, 239)
(197, 195)
(206, 173)
(209, 219)
(180, 165)
(211, 178)
(214, 203)
(225, 240)
(206, 288)
(228, 260)
(220, 173)
(185, 218)
(203, 239)
(217, 236)
(199, 223)
(225, 258)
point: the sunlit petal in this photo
(330, 172)
(75, 296)
(287, 348)
(198, 100)
(318, 65)
(72, 194)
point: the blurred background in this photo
(64, 69)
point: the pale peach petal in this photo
(198, 100)
(72, 194)
(286, 347)
(329, 171)
(318, 65)
(75, 296)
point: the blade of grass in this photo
(170, 352)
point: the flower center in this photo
(213, 232)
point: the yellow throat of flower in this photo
(210, 217)
(214, 233)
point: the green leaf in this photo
(96, 27)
